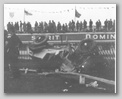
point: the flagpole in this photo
(24, 20)
(75, 17)
(24, 16)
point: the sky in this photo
(58, 12)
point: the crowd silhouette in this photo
(52, 27)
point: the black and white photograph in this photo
(60, 48)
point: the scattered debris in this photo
(66, 82)
(95, 85)
(26, 70)
(65, 90)
(70, 86)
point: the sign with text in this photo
(69, 37)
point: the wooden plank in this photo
(84, 75)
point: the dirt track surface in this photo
(33, 83)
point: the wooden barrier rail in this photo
(80, 76)
(84, 75)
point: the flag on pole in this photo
(27, 13)
(77, 14)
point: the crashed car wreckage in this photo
(84, 58)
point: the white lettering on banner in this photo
(73, 37)
(88, 36)
(107, 37)
(95, 36)
(100, 36)
(49, 38)
(33, 37)
(112, 36)
(57, 37)
(53, 37)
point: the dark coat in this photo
(13, 47)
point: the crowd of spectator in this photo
(52, 27)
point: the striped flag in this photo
(77, 14)
(27, 13)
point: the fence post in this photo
(81, 79)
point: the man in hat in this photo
(13, 52)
